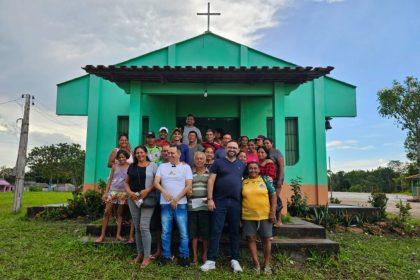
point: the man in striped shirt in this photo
(198, 214)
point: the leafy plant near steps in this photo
(87, 204)
(298, 205)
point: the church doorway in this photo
(231, 125)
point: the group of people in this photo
(199, 185)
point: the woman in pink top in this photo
(252, 155)
(115, 194)
(122, 145)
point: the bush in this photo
(87, 204)
(335, 200)
(379, 200)
(322, 216)
(35, 188)
(298, 205)
(53, 214)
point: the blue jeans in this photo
(180, 215)
(229, 209)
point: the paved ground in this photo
(361, 199)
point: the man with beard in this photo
(221, 153)
(224, 189)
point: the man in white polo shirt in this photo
(173, 179)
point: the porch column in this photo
(92, 132)
(279, 125)
(320, 141)
(135, 114)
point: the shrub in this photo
(379, 200)
(322, 216)
(298, 205)
(401, 221)
(35, 188)
(335, 200)
(53, 214)
(87, 204)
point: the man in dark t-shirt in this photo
(224, 190)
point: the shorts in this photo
(263, 227)
(199, 224)
(117, 197)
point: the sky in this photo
(370, 43)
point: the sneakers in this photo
(184, 262)
(208, 265)
(235, 266)
(164, 261)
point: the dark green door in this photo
(222, 124)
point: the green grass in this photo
(32, 199)
(34, 249)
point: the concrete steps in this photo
(298, 239)
(299, 229)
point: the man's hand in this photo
(210, 205)
(174, 203)
(167, 196)
(189, 192)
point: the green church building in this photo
(224, 85)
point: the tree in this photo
(61, 162)
(7, 173)
(402, 103)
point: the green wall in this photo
(73, 97)
(104, 101)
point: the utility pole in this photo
(21, 159)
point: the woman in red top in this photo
(252, 154)
(267, 166)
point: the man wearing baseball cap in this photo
(163, 134)
(259, 140)
(153, 150)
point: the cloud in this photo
(9, 127)
(346, 145)
(43, 43)
(40, 139)
(363, 164)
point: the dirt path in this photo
(362, 200)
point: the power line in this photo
(66, 122)
(8, 101)
(52, 118)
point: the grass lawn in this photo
(33, 249)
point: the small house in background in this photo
(415, 184)
(63, 188)
(6, 186)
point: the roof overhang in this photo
(210, 74)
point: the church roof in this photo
(209, 74)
